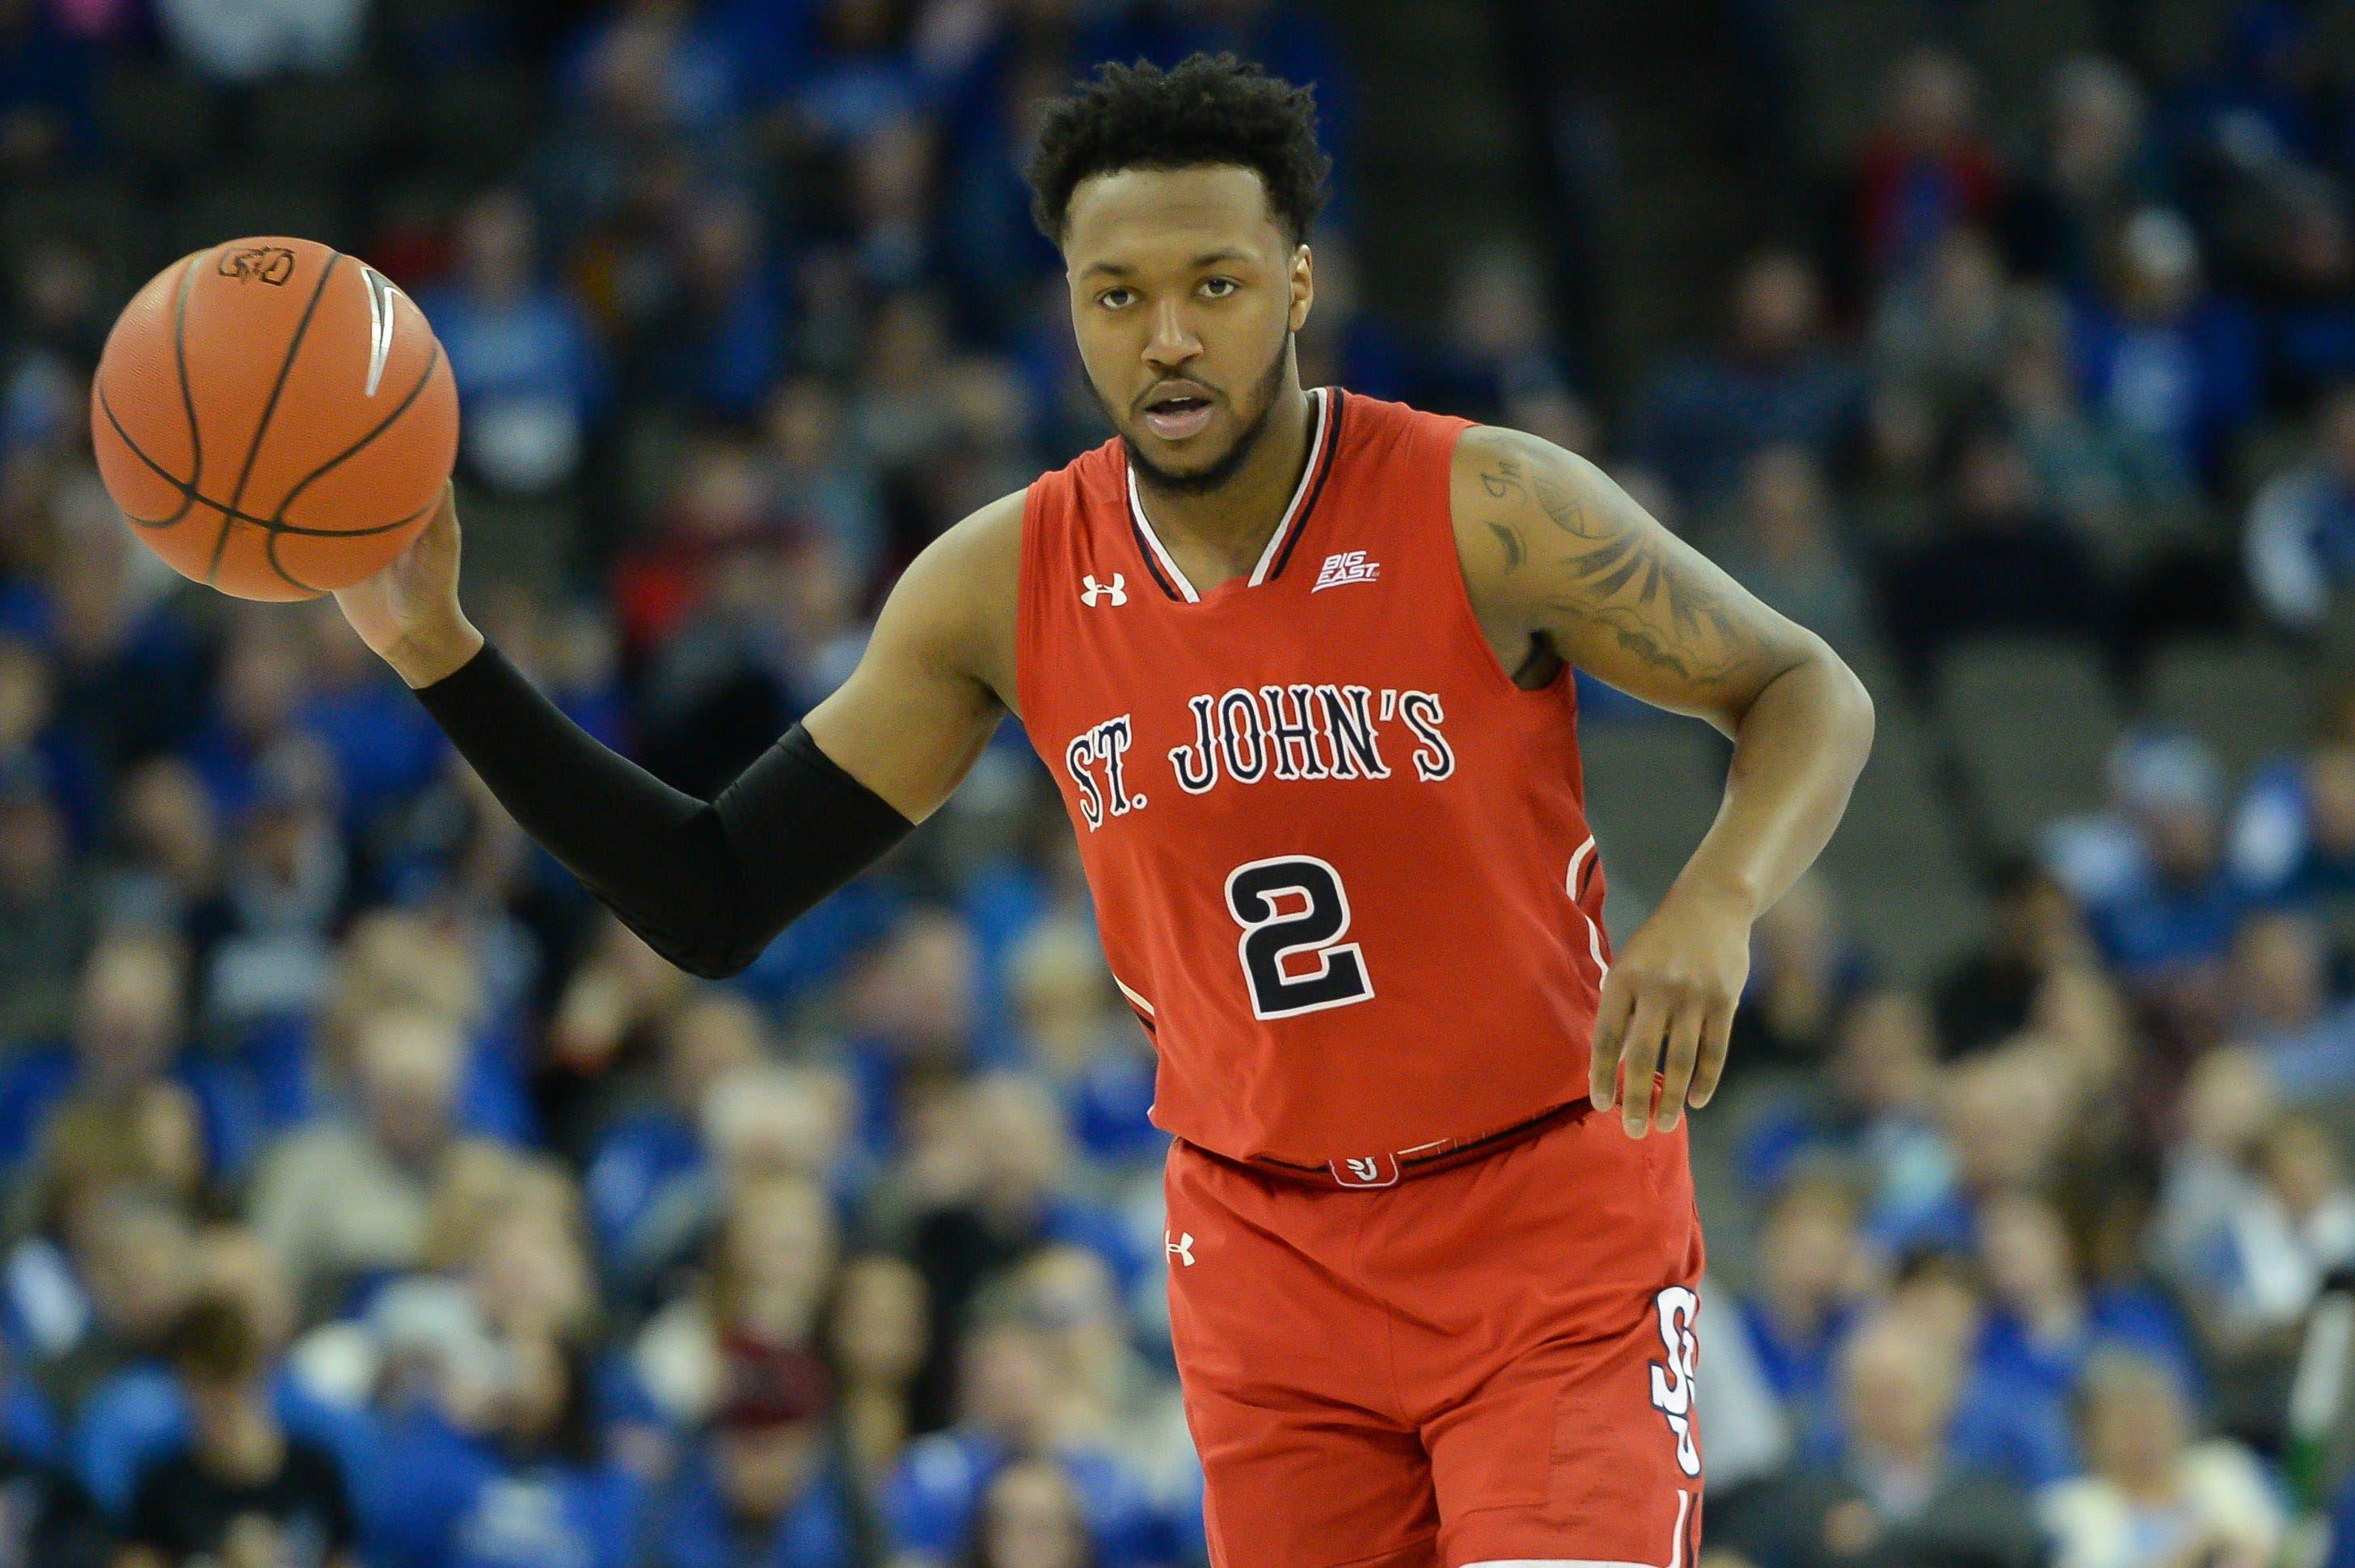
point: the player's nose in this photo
(1174, 341)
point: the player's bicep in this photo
(1619, 595)
(916, 712)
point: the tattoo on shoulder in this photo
(1516, 550)
(1614, 572)
(1502, 478)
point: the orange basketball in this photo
(274, 418)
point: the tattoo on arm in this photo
(1516, 550)
(1614, 572)
(1503, 478)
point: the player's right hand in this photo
(408, 612)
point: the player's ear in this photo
(1304, 284)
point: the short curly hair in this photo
(1208, 109)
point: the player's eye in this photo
(1116, 299)
(1219, 288)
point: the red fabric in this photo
(1453, 844)
(1488, 1363)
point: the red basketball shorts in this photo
(1490, 1363)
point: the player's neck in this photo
(1218, 535)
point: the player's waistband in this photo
(1423, 1159)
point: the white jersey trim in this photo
(1594, 931)
(1323, 396)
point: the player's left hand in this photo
(1668, 1009)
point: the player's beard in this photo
(1201, 482)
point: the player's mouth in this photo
(1176, 411)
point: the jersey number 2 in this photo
(1293, 908)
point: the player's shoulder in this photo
(982, 549)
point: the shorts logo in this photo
(258, 264)
(1672, 1378)
(1180, 1244)
(1366, 1170)
(1114, 592)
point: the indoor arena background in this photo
(2010, 344)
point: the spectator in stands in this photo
(1498, 336)
(2095, 169)
(1941, 328)
(2254, 1209)
(2159, 353)
(244, 1490)
(168, 851)
(876, 1341)
(774, 1265)
(2153, 1496)
(1926, 170)
(2281, 1007)
(2158, 895)
(1897, 1496)
(2124, 493)
(283, 884)
(817, 478)
(1813, 1276)
(2000, 564)
(531, 376)
(715, 340)
(1786, 546)
(2037, 928)
(1894, 496)
(2044, 1327)
(1108, 1392)
(541, 1486)
(1030, 1517)
(2299, 544)
(345, 1198)
(767, 1487)
(45, 914)
(1779, 380)
(1085, 1041)
(2293, 835)
(1805, 968)
(50, 1521)
(246, 42)
(933, 1503)
(650, 1161)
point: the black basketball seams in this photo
(188, 492)
(269, 410)
(270, 548)
(279, 528)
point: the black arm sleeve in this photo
(707, 883)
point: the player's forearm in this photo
(1796, 754)
(707, 883)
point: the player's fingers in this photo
(1639, 1058)
(1715, 1037)
(1610, 1028)
(1676, 1067)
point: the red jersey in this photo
(1341, 860)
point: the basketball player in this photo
(1298, 660)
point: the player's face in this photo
(1185, 294)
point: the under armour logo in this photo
(1096, 592)
(1180, 1243)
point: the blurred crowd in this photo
(374, 1198)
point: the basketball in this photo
(274, 418)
